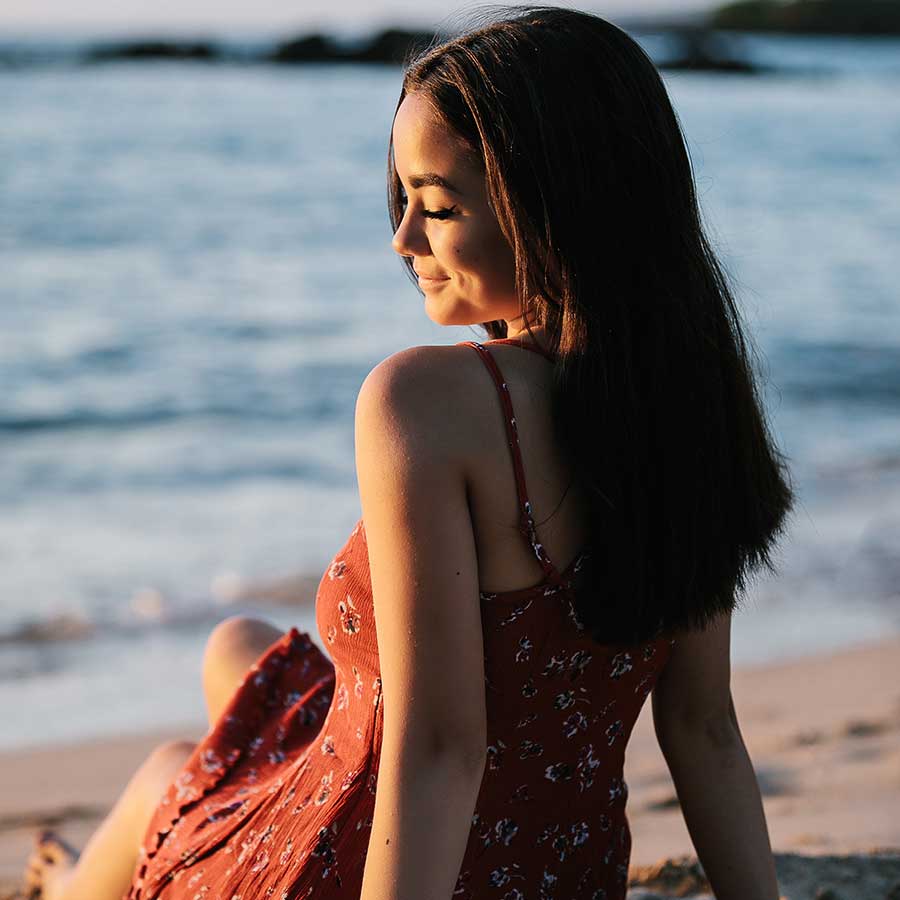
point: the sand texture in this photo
(823, 732)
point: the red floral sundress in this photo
(277, 798)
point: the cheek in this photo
(489, 260)
(479, 255)
(467, 254)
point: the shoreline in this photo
(823, 731)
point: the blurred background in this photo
(196, 277)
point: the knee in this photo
(235, 631)
(169, 755)
(231, 643)
(159, 769)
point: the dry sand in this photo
(823, 733)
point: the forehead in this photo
(423, 142)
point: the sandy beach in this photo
(823, 732)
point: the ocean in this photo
(196, 277)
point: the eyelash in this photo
(440, 214)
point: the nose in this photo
(409, 239)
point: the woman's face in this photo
(465, 267)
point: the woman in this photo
(494, 637)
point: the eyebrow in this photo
(432, 179)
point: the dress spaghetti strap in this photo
(526, 518)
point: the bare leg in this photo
(104, 869)
(233, 646)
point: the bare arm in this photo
(424, 568)
(698, 733)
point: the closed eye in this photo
(442, 213)
(439, 213)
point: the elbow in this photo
(719, 730)
(438, 750)
(723, 733)
(469, 757)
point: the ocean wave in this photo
(838, 373)
(71, 627)
(73, 419)
(42, 478)
(60, 627)
(150, 609)
(861, 466)
(316, 409)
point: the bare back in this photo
(506, 562)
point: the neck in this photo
(539, 341)
(517, 327)
(522, 333)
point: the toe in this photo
(51, 851)
(51, 859)
(53, 847)
(31, 878)
(38, 865)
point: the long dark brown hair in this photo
(655, 398)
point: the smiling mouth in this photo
(430, 278)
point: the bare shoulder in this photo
(432, 390)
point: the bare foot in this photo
(50, 866)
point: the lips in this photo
(423, 277)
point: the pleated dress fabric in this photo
(277, 798)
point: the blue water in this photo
(196, 277)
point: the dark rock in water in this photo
(312, 48)
(395, 46)
(701, 50)
(14, 58)
(856, 17)
(153, 50)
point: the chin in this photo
(443, 311)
